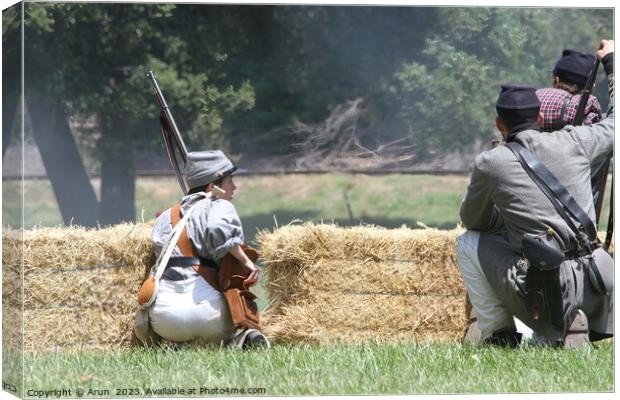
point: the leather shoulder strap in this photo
(561, 199)
(187, 249)
(184, 244)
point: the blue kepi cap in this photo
(574, 66)
(517, 101)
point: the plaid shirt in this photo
(559, 108)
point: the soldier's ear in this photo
(540, 118)
(556, 81)
(499, 124)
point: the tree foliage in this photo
(92, 61)
(237, 77)
(447, 96)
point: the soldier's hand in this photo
(252, 279)
(240, 255)
(606, 47)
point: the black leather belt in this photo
(173, 275)
(573, 255)
(190, 262)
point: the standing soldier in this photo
(515, 231)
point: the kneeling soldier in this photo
(207, 258)
(522, 255)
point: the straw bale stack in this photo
(325, 284)
(330, 284)
(79, 285)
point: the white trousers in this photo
(490, 312)
(191, 310)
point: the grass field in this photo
(288, 369)
(263, 201)
(391, 200)
(343, 369)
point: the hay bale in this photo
(11, 327)
(325, 284)
(330, 284)
(79, 285)
(356, 317)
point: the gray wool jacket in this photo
(213, 227)
(502, 198)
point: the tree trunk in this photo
(11, 91)
(72, 187)
(10, 114)
(118, 175)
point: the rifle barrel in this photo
(585, 94)
(168, 115)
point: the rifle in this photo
(579, 118)
(610, 220)
(171, 134)
(585, 94)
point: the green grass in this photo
(390, 201)
(339, 369)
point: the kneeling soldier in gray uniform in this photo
(516, 230)
(190, 305)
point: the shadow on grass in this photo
(265, 221)
(393, 223)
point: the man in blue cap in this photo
(503, 204)
(559, 103)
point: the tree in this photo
(427, 74)
(11, 71)
(75, 195)
(447, 97)
(94, 60)
(304, 61)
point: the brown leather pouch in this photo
(241, 301)
(243, 308)
(208, 274)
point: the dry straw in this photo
(79, 286)
(330, 284)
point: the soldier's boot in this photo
(507, 337)
(577, 334)
(472, 334)
(256, 339)
(251, 339)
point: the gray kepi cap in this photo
(204, 167)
